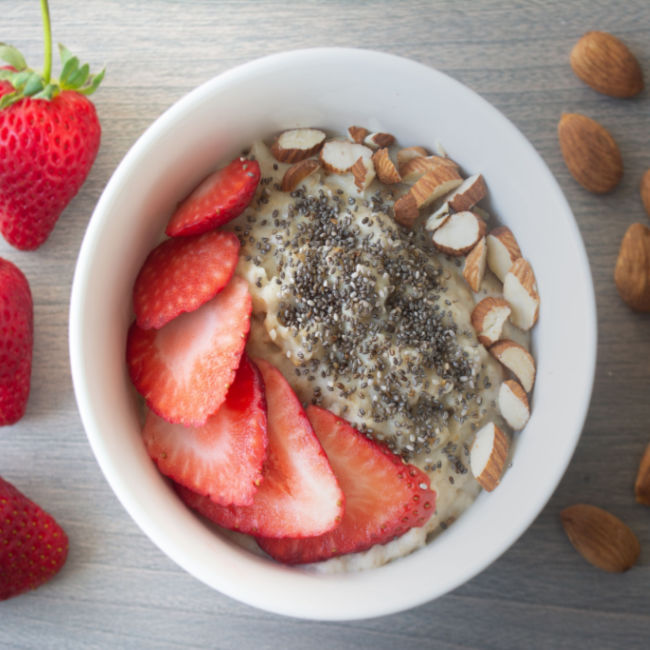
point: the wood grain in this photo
(117, 589)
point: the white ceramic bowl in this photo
(331, 88)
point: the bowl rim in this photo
(295, 579)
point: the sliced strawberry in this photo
(219, 198)
(384, 497)
(179, 275)
(299, 495)
(223, 458)
(184, 369)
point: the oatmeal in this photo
(365, 318)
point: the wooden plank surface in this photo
(117, 590)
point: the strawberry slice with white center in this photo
(180, 275)
(299, 495)
(384, 497)
(223, 458)
(222, 196)
(184, 369)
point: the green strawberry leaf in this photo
(70, 67)
(79, 78)
(65, 54)
(93, 84)
(12, 56)
(46, 93)
(8, 99)
(33, 85)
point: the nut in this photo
(520, 290)
(605, 63)
(600, 537)
(517, 359)
(645, 191)
(297, 173)
(459, 233)
(488, 455)
(590, 153)
(632, 272)
(642, 483)
(297, 144)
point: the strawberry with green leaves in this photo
(49, 138)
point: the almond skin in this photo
(590, 153)
(600, 537)
(605, 63)
(632, 272)
(645, 191)
(642, 483)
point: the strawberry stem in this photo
(47, 31)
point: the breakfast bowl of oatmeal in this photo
(348, 350)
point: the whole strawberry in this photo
(49, 138)
(33, 547)
(16, 339)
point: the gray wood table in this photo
(117, 589)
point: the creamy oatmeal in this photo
(365, 318)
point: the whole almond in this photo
(590, 153)
(632, 272)
(600, 537)
(642, 483)
(605, 63)
(645, 191)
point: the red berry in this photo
(384, 497)
(47, 148)
(184, 369)
(223, 458)
(33, 547)
(222, 196)
(299, 494)
(16, 342)
(180, 275)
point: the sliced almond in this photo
(488, 318)
(468, 194)
(363, 171)
(338, 156)
(520, 290)
(406, 210)
(513, 404)
(379, 140)
(488, 455)
(601, 538)
(517, 359)
(503, 250)
(403, 155)
(642, 483)
(475, 264)
(297, 144)
(385, 167)
(459, 234)
(297, 173)
(357, 134)
(435, 183)
(414, 168)
(435, 220)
